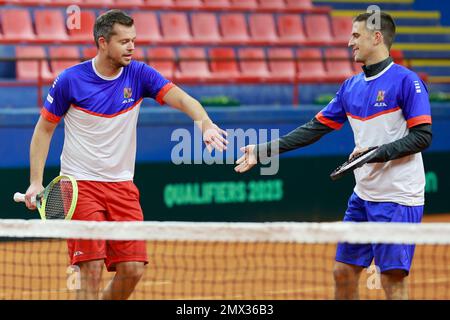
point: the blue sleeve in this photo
(154, 84)
(415, 101)
(334, 115)
(58, 99)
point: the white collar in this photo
(105, 77)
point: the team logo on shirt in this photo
(380, 99)
(127, 93)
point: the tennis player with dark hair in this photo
(100, 101)
(387, 105)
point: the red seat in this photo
(299, 4)
(17, 24)
(310, 65)
(290, 29)
(139, 54)
(175, 27)
(85, 33)
(89, 52)
(147, 27)
(163, 60)
(188, 3)
(130, 2)
(29, 70)
(50, 25)
(219, 4)
(398, 57)
(272, 4)
(281, 63)
(253, 63)
(225, 66)
(233, 27)
(341, 68)
(99, 2)
(205, 27)
(159, 3)
(342, 28)
(197, 69)
(262, 28)
(65, 52)
(318, 29)
(244, 4)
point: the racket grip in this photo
(20, 197)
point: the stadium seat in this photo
(192, 70)
(159, 3)
(272, 4)
(299, 4)
(234, 28)
(256, 67)
(225, 67)
(17, 24)
(244, 4)
(218, 4)
(281, 69)
(29, 70)
(89, 52)
(99, 2)
(188, 3)
(205, 28)
(318, 29)
(339, 69)
(130, 2)
(84, 34)
(50, 25)
(290, 29)
(175, 27)
(147, 27)
(163, 60)
(398, 57)
(262, 28)
(342, 28)
(310, 65)
(55, 53)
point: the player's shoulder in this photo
(401, 73)
(75, 71)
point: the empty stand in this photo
(290, 29)
(85, 33)
(58, 58)
(244, 4)
(17, 24)
(272, 4)
(50, 25)
(310, 65)
(262, 28)
(253, 64)
(89, 52)
(342, 28)
(130, 2)
(298, 4)
(147, 27)
(338, 64)
(233, 28)
(163, 60)
(188, 3)
(159, 3)
(281, 63)
(99, 2)
(217, 4)
(223, 63)
(175, 27)
(193, 65)
(205, 28)
(29, 70)
(318, 29)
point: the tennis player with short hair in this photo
(387, 105)
(100, 101)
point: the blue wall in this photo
(440, 5)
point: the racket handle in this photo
(20, 197)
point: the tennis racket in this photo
(57, 201)
(355, 162)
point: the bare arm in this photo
(39, 147)
(212, 134)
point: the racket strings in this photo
(59, 200)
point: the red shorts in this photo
(107, 201)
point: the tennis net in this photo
(227, 261)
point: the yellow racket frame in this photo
(41, 199)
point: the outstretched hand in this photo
(214, 137)
(248, 159)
